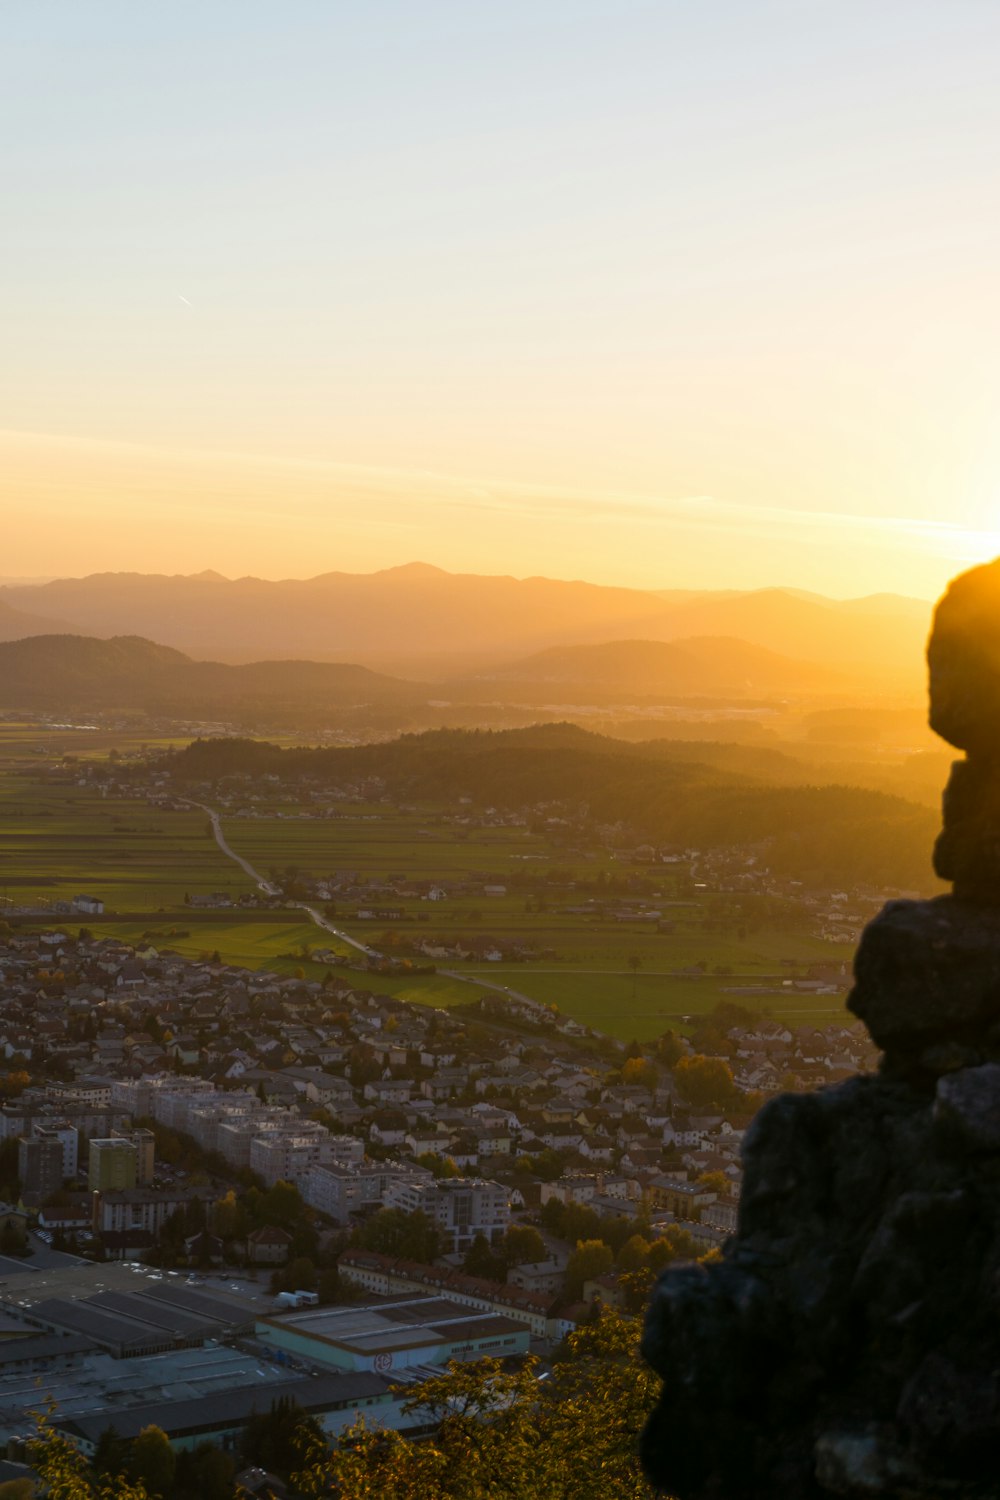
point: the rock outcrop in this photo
(848, 1341)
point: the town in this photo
(285, 1172)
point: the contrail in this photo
(183, 299)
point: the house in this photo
(269, 1246)
(204, 1249)
(91, 905)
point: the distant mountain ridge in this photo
(706, 665)
(418, 611)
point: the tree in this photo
(17, 1489)
(65, 1473)
(204, 1474)
(298, 1276)
(713, 1182)
(228, 1218)
(590, 1258)
(635, 964)
(640, 1072)
(362, 1065)
(110, 1454)
(439, 1166)
(670, 1049)
(12, 1239)
(275, 1438)
(501, 1434)
(522, 1244)
(281, 1206)
(706, 1081)
(331, 1289)
(634, 1254)
(152, 1461)
(392, 1231)
(481, 1261)
(673, 1244)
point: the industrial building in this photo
(126, 1313)
(397, 1334)
(219, 1417)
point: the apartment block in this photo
(113, 1165)
(461, 1207)
(39, 1166)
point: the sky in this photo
(664, 294)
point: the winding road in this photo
(270, 889)
(267, 886)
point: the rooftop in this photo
(387, 1326)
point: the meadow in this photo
(373, 839)
(60, 840)
(630, 980)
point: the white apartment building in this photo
(281, 1157)
(339, 1191)
(461, 1207)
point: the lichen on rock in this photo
(848, 1341)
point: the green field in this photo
(382, 841)
(40, 741)
(608, 998)
(610, 1002)
(60, 840)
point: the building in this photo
(141, 1211)
(39, 1166)
(144, 1142)
(684, 1201)
(340, 1191)
(92, 905)
(220, 1417)
(269, 1246)
(68, 1138)
(93, 1091)
(113, 1165)
(386, 1276)
(393, 1336)
(461, 1207)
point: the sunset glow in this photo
(653, 295)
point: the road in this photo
(267, 886)
(316, 917)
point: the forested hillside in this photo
(830, 833)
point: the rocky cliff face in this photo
(848, 1343)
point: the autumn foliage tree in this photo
(496, 1432)
(706, 1082)
(505, 1434)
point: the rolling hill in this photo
(830, 833)
(63, 672)
(706, 666)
